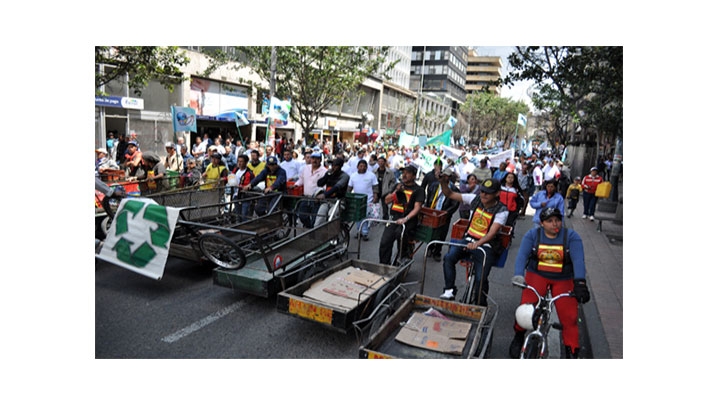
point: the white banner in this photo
(495, 160)
(452, 153)
(139, 236)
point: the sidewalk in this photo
(604, 268)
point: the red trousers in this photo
(566, 307)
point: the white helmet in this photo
(524, 316)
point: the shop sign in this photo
(120, 102)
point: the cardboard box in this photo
(345, 288)
(437, 334)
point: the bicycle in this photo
(467, 297)
(537, 319)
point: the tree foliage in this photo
(313, 78)
(488, 114)
(578, 84)
(141, 64)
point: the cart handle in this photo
(422, 277)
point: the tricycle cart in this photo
(274, 263)
(408, 332)
(340, 296)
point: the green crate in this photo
(355, 207)
(426, 234)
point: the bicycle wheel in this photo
(222, 251)
(343, 239)
(532, 348)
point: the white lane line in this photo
(202, 323)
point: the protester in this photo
(589, 184)
(364, 182)
(483, 247)
(406, 203)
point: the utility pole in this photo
(417, 107)
(270, 126)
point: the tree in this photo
(580, 84)
(141, 64)
(489, 114)
(313, 78)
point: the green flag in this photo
(442, 139)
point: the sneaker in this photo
(448, 294)
(516, 345)
(592, 218)
(584, 216)
(366, 238)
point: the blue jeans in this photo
(589, 201)
(365, 228)
(456, 253)
(306, 212)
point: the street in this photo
(185, 316)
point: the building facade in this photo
(483, 72)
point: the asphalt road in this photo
(185, 316)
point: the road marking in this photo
(202, 323)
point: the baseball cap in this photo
(316, 155)
(271, 160)
(490, 186)
(411, 169)
(593, 168)
(103, 150)
(133, 143)
(169, 145)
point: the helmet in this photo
(524, 316)
(548, 212)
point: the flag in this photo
(279, 110)
(237, 115)
(139, 236)
(452, 121)
(522, 120)
(442, 139)
(407, 140)
(184, 119)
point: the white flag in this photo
(522, 120)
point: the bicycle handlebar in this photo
(540, 297)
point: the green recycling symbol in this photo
(159, 237)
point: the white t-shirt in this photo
(363, 183)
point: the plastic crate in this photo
(355, 207)
(292, 189)
(458, 228)
(426, 234)
(173, 178)
(433, 218)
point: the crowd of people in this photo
(490, 197)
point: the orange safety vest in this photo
(479, 223)
(399, 207)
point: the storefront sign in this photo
(120, 102)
